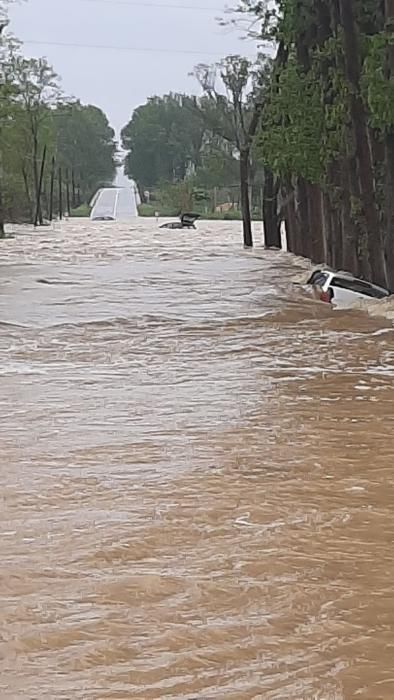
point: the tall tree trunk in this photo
(52, 187)
(27, 190)
(357, 258)
(272, 238)
(2, 230)
(245, 202)
(389, 158)
(304, 234)
(389, 210)
(327, 226)
(296, 235)
(68, 202)
(38, 215)
(352, 258)
(36, 178)
(287, 213)
(60, 200)
(316, 230)
(373, 235)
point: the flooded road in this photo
(197, 479)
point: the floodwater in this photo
(197, 475)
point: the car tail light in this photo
(326, 297)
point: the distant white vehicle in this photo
(342, 289)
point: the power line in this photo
(132, 3)
(107, 47)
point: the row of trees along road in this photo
(327, 129)
(315, 124)
(209, 139)
(54, 152)
(318, 119)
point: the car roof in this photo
(348, 277)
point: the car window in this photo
(358, 286)
(319, 278)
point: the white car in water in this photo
(342, 289)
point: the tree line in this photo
(328, 130)
(206, 141)
(309, 125)
(315, 123)
(54, 151)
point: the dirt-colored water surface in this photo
(197, 473)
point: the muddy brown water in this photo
(197, 474)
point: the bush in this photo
(81, 212)
(149, 210)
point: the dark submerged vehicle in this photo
(186, 221)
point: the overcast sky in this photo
(118, 81)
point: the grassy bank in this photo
(81, 212)
(149, 210)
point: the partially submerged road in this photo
(197, 473)
(117, 203)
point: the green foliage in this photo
(82, 211)
(291, 136)
(230, 215)
(150, 210)
(85, 145)
(233, 115)
(269, 15)
(378, 86)
(174, 138)
(178, 197)
(163, 140)
(218, 164)
(35, 114)
(307, 115)
(329, 120)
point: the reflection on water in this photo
(196, 481)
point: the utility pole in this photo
(3, 24)
(60, 195)
(68, 192)
(52, 188)
(74, 201)
(38, 215)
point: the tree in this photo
(4, 4)
(388, 92)
(84, 146)
(36, 118)
(38, 95)
(328, 128)
(235, 114)
(7, 94)
(219, 163)
(163, 140)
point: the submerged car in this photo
(186, 221)
(341, 289)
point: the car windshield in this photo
(359, 287)
(318, 277)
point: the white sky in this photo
(118, 81)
